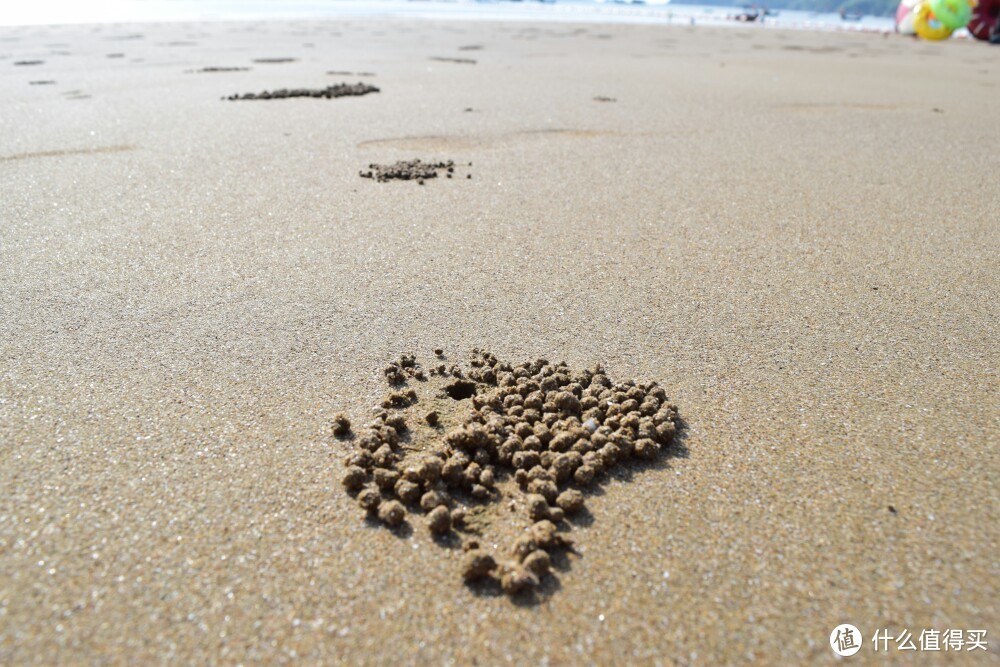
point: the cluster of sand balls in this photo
(410, 170)
(330, 92)
(538, 429)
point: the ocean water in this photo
(37, 12)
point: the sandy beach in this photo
(796, 234)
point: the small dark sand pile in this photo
(461, 61)
(410, 170)
(211, 70)
(500, 437)
(604, 98)
(28, 62)
(336, 90)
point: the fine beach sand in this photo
(795, 233)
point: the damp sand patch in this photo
(330, 92)
(410, 170)
(497, 459)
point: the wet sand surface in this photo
(795, 234)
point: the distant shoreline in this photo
(175, 11)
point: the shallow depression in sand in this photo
(460, 143)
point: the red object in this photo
(984, 19)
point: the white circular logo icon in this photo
(845, 640)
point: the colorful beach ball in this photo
(904, 17)
(952, 14)
(927, 25)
